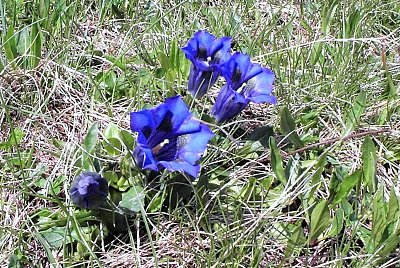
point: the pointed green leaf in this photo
(288, 127)
(276, 161)
(262, 135)
(337, 222)
(320, 220)
(164, 61)
(393, 206)
(390, 243)
(112, 142)
(327, 17)
(36, 47)
(90, 140)
(296, 239)
(346, 185)
(354, 113)
(89, 144)
(10, 44)
(379, 220)
(369, 160)
(23, 41)
(316, 177)
(250, 149)
(127, 139)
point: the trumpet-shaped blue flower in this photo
(89, 190)
(206, 53)
(169, 137)
(246, 82)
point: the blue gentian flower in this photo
(207, 54)
(245, 82)
(169, 137)
(89, 190)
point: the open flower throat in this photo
(169, 137)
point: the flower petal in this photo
(193, 146)
(144, 158)
(259, 88)
(238, 69)
(183, 166)
(207, 54)
(219, 50)
(178, 108)
(198, 46)
(200, 81)
(191, 125)
(228, 104)
(141, 119)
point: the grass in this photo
(323, 192)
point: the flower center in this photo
(237, 74)
(246, 87)
(159, 146)
(202, 53)
(241, 88)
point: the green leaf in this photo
(354, 114)
(89, 144)
(10, 44)
(112, 144)
(262, 135)
(250, 149)
(296, 239)
(369, 160)
(36, 48)
(346, 185)
(164, 61)
(390, 244)
(316, 52)
(23, 45)
(393, 206)
(15, 261)
(320, 220)
(133, 200)
(56, 237)
(316, 177)
(390, 91)
(379, 220)
(276, 161)
(111, 176)
(337, 223)
(127, 139)
(288, 127)
(90, 140)
(47, 249)
(174, 52)
(14, 139)
(327, 17)
(117, 61)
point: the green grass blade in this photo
(355, 112)
(36, 47)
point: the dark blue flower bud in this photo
(89, 190)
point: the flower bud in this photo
(89, 190)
